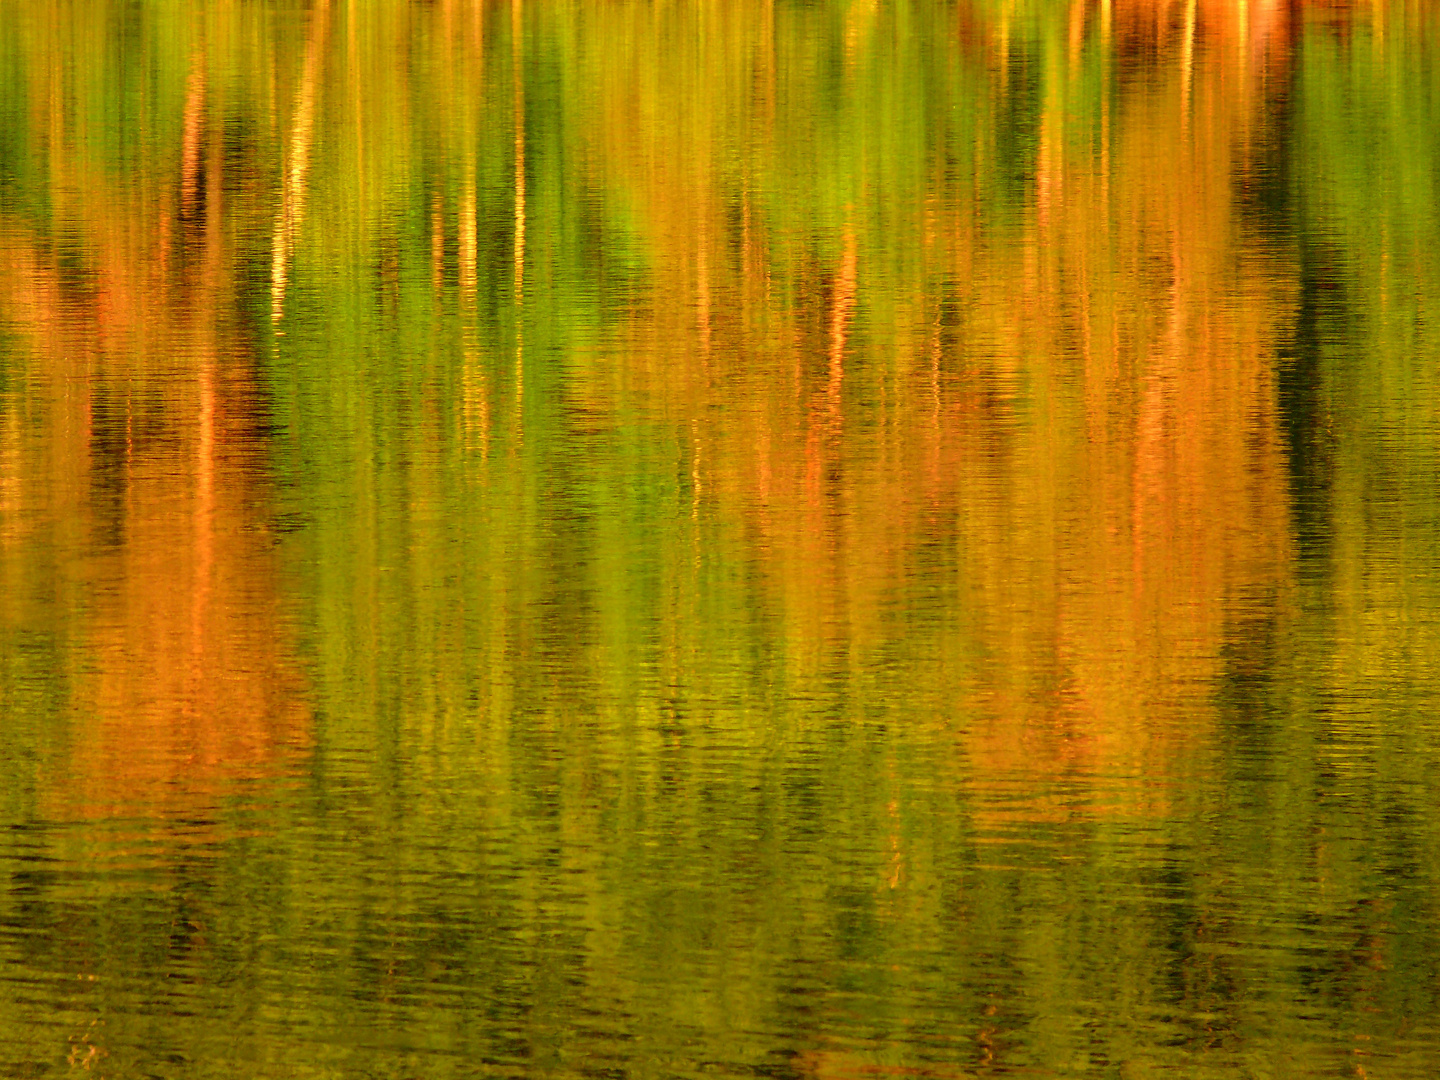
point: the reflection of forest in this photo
(759, 460)
(980, 302)
(1082, 412)
(139, 468)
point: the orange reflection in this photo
(1161, 509)
(144, 473)
(1080, 417)
(1057, 414)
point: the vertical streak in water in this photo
(830, 491)
(466, 230)
(825, 422)
(473, 381)
(1187, 65)
(194, 131)
(1077, 38)
(1002, 44)
(292, 192)
(695, 486)
(204, 499)
(1049, 175)
(214, 261)
(516, 60)
(475, 389)
(353, 64)
(702, 287)
(193, 124)
(844, 304)
(1105, 54)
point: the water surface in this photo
(809, 540)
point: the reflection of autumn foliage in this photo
(195, 680)
(143, 467)
(768, 464)
(987, 395)
(1162, 507)
(1080, 421)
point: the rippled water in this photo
(819, 540)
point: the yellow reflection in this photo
(297, 166)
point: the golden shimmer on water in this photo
(834, 539)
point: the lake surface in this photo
(888, 538)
